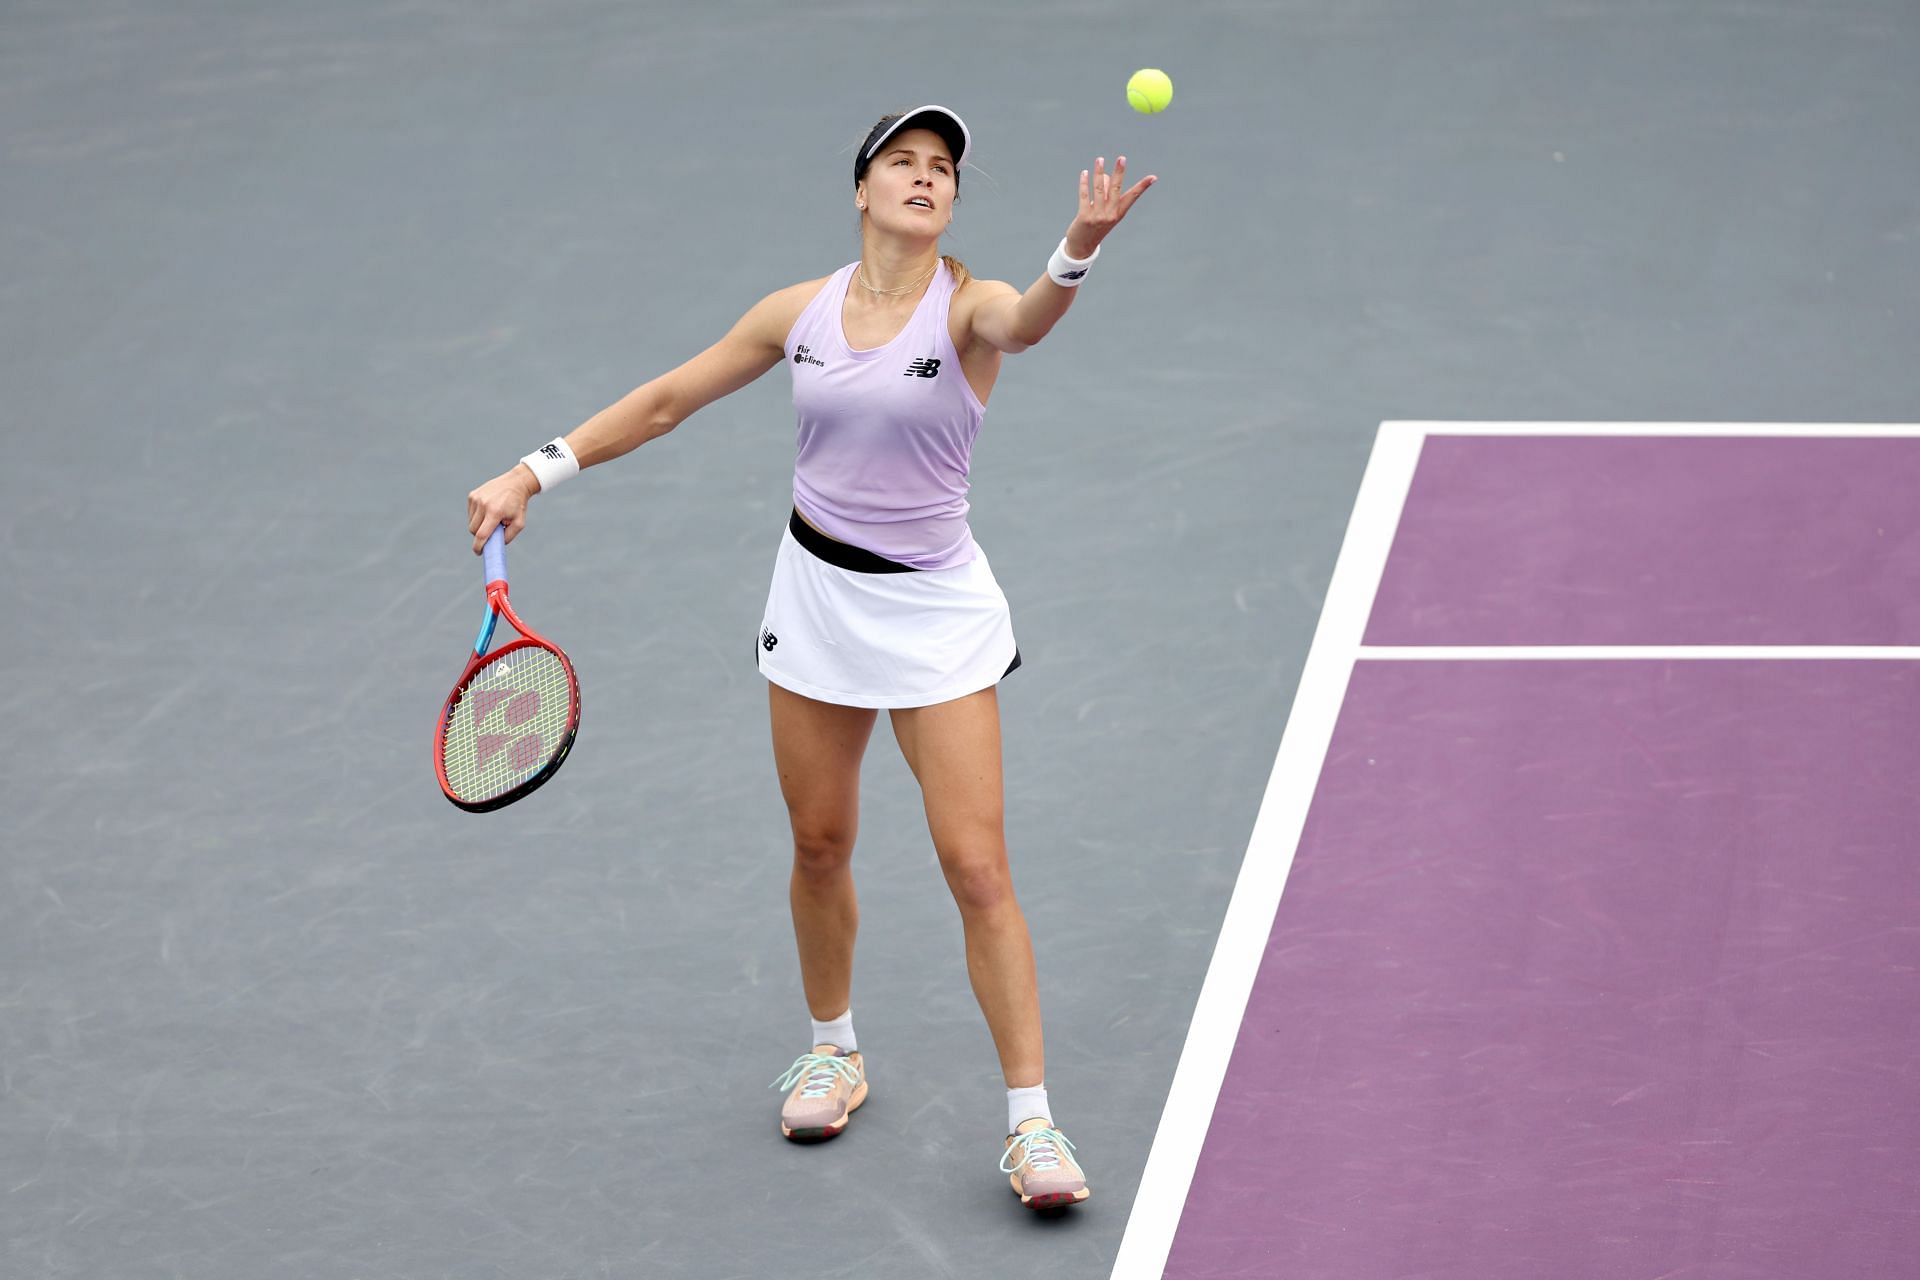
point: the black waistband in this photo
(839, 554)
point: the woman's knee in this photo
(822, 849)
(980, 884)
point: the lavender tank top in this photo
(885, 434)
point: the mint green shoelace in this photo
(819, 1070)
(1037, 1150)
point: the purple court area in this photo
(1601, 968)
(1656, 540)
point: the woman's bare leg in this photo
(817, 747)
(953, 749)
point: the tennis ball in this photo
(1149, 90)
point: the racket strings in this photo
(507, 723)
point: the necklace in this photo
(860, 274)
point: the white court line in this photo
(1263, 873)
(1798, 429)
(1336, 647)
(1634, 652)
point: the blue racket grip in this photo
(494, 559)
(494, 555)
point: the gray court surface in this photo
(281, 283)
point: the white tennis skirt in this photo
(880, 634)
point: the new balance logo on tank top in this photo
(886, 434)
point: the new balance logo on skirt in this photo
(925, 367)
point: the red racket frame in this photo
(529, 639)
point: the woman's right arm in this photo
(751, 347)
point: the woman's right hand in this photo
(500, 501)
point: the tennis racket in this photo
(511, 718)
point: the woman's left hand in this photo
(1104, 200)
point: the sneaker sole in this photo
(829, 1131)
(1055, 1201)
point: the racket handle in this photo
(494, 555)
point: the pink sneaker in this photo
(1040, 1165)
(827, 1088)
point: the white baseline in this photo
(1263, 872)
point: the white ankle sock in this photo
(1027, 1104)
(838, 1033)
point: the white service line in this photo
(1635, 652)
(1263, 873)
(1799, 429)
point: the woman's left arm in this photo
(1010, 321)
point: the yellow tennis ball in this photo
(1149, 90)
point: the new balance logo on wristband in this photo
(1073, 275)
(926, 367)
(551, 451)
(802, 356)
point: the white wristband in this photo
(551, 463)
(1068, 272)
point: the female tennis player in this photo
(880, 597)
